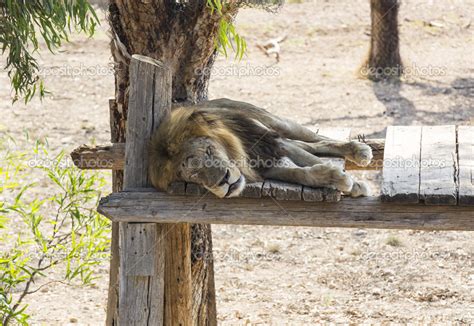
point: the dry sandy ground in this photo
(283, 275)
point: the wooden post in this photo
(116, 134)
(144, 246)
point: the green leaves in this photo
(20, 24)
(53, 225)
(227, 37)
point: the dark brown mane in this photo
(260, 142)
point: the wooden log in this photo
(465, 138)
(99, 157)
(401, 173)
(363, 212)
(88, 157)
(438, 165)
(142, 291)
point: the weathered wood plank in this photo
(312, 194)
(331, 195)
(367, 212)
(142, 253)
(438, 165)
(252, 190)
(139, 259)
(99, 157)
(141, 265)
(281, 190)
(466, 165)
(177, 188)
(400, 179)
(194, 189)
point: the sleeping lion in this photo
(222, 144)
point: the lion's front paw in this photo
(359, 189)
(361, 154)
(339, 179)
(327, 175)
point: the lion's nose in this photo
(225, 179)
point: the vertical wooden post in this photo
(142, 249)
(116, 136)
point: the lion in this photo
(223, 144)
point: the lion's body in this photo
(240, 140)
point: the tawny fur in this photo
(232, 131)
(183, 124)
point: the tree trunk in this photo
(181, 35)
(384, 55)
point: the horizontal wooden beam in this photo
(112, 156)
(368, 212)
(100, 157)
(268, 188)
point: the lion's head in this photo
(195, 146)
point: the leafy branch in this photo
(227, 37)
(20, 24)
(62, 228)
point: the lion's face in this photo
(206, 162)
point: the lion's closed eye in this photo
(209, 150)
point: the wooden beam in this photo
(112, 156)
(438, 168)
(117, 131)
(401, 174)
(367, 212)
(465, 137)
(108, 157)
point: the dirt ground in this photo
(288, 275)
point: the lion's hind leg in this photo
(303, 167)
(318, 175)
(357, 152)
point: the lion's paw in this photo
(327, 175)
(361, 154)
(341, 180)
(359, 189)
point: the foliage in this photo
(227, 35)
(59, 229)
(20, 24)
